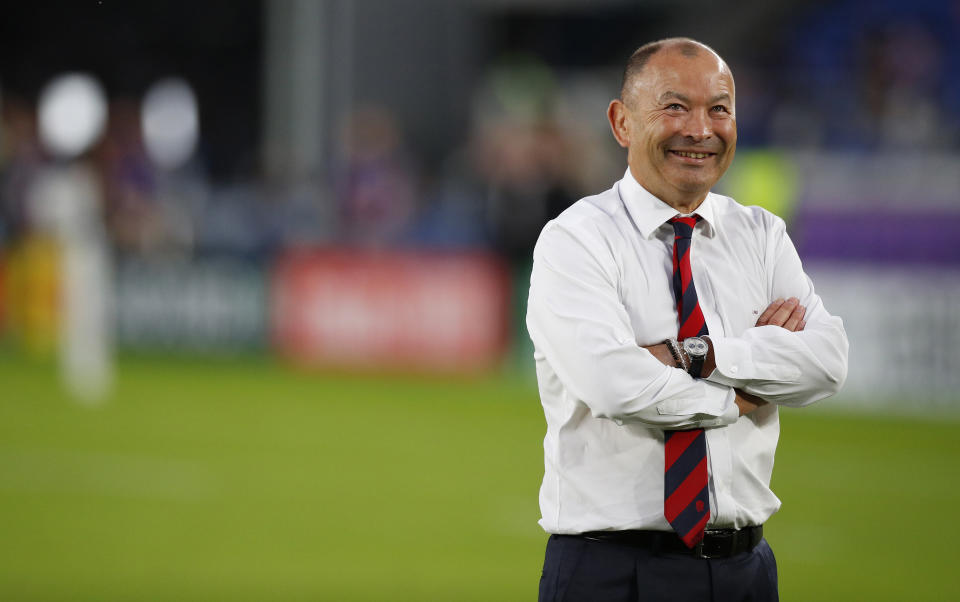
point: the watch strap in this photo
(696, 367)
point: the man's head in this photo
(677, 118)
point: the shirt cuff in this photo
(733, 358)
(737, 365)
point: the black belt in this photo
(717, 543)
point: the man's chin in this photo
(694, 185)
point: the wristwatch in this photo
(696, 349)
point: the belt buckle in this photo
(714, 551)
(698, 551)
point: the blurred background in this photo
(263, 267)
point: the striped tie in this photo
(686, 503)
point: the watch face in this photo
(695, 347)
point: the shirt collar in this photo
(649, 212)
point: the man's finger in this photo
(795, 318)
(780, 317)
(764, 318)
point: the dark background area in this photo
(215, 45)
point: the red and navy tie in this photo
(686, 504)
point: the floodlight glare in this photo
(170, 121)
(73, 113)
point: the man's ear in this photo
(617, 116)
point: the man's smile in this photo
(692, 156)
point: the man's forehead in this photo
(679, 61)
(679, 71)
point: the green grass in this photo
(244, 480)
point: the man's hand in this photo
(747, 402)
(662, 353)
(784, 313)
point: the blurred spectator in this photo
(20, 158)
(129, 181)
(377, 186)
(29, 288)
(148, 210)
(900, 79)
(521, 155)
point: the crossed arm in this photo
(785, 313)
(585, 336)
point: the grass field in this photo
(241, 479)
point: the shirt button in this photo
(733, 369)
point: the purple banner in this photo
(881, 236)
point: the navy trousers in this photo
(582, 570)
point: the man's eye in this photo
(720, 109)
(675, 106)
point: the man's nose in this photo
(697, 125)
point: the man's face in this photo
(681, 125)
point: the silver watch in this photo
(696, 349)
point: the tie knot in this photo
(683, 226)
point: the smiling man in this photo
(670, 324)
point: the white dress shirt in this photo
(600, 291)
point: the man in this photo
(669, 324)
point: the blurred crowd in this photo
(531, 151)
(846, 79)
(858, 76)
(144, 208)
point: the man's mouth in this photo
(692, 154)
